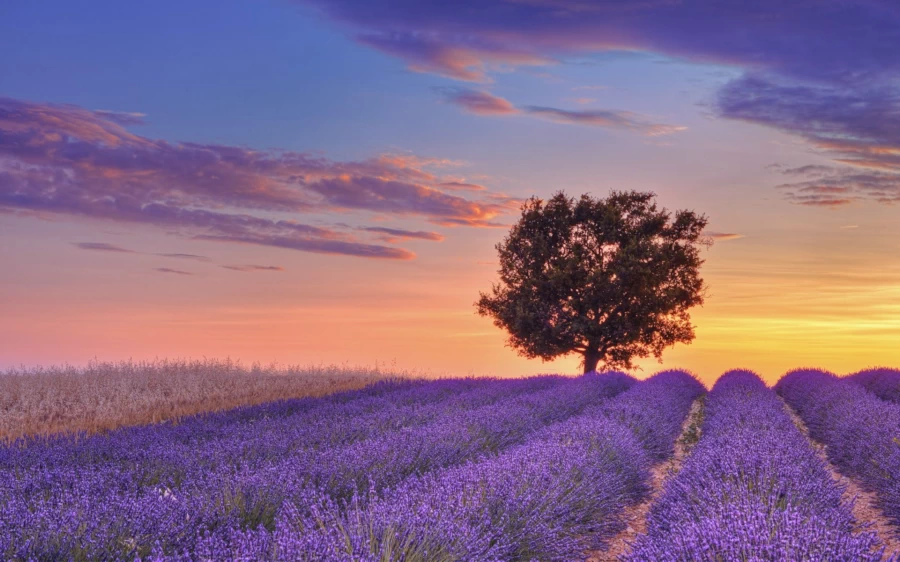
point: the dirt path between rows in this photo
(865, 509)
(635, 516)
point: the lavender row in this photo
(235, 436)
(753, 489)
(860, 431)
(552, 498)
(171, 495)
(883, 383)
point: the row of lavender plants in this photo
(883, 383)
(551, 498)
(163, 488)
(753, 489)
(860, 431)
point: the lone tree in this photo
(611, 279)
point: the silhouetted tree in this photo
(611, 279)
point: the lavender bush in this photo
(551, 498)
(883, 383)
(159, 490)
(753, 489)
(860, 431)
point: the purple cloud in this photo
(826, 186)
(249, 268)
(68, 160)
(482, 103)
(102, 247)
(393, 234)
(175, 271)
(123, 118)
(609, 119)
(316, 245)
(465, 39)
(193, 257)
(823, 70)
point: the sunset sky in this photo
(325, 180)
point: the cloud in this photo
(102, 247)
(483, 103)
(724, 235)
(123, 118)
(175, 271)
(461, 186)
(248, 268)
(462, 61)
(185, 257)
(825, 71)
(609, 119)
(837, 186)
(63, 159)
(467, 38)
(480, 103)
(393, 234)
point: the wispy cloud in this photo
(105, 247)
(249, 268)
(825, 186)
(608, 119)
(102, 247)
(484, 103)
(480, 103)
(395, 234)
(724, 235)
(63, 159)
(174, 271)
(193, 257)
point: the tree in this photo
(612, 279)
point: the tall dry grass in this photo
(104, 395)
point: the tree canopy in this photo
(612, 279)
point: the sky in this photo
(325, 181)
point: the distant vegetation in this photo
(103, 396)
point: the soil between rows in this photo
(865, 504)
(635, 516)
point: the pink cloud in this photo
(64, 159)
(724, 235)
(483, 103)
(249, 268)
(395, 234)
(102, 247)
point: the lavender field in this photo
(543, 468)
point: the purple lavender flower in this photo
(752, 489)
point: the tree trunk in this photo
(591, 358)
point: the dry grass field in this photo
(103, 396)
